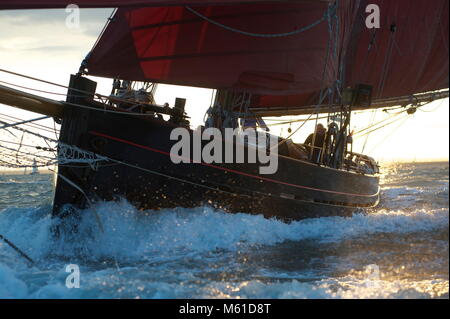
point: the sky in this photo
(38, 43)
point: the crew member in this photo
(318, 138)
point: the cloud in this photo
(46, 16)
(56, 48)
(38, 42)
(48, 24)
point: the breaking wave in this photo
(207, 253)
(132, 234)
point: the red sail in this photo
(216, 47)
(174, 45)
(39, 4)
(408, 54)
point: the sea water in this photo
(398, 250)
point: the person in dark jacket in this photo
(318, 141)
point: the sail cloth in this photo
(178, 46)
(39, 4)
(223, 46)
(408, 54)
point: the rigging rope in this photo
(261, 35)
(99, 96)
(10, 244)
(110, 18)
(390, 134)
(375, 129)
(34, 125)
(433, 110)
(367, 136)
(23, 122)
(323, 89)
(68, 181)
(322, 96)
(32, 89)
(379, 122)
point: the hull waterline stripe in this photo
(230, 170)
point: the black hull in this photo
(141, 171)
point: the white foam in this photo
(129, 233)
(135, 236)
(10, 286)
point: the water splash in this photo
(133, 234)
(206, 253)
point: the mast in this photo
(229, 106)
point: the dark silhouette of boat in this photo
(264, 59)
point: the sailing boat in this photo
(263, 58)
(34, 170)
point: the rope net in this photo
(31, 146)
